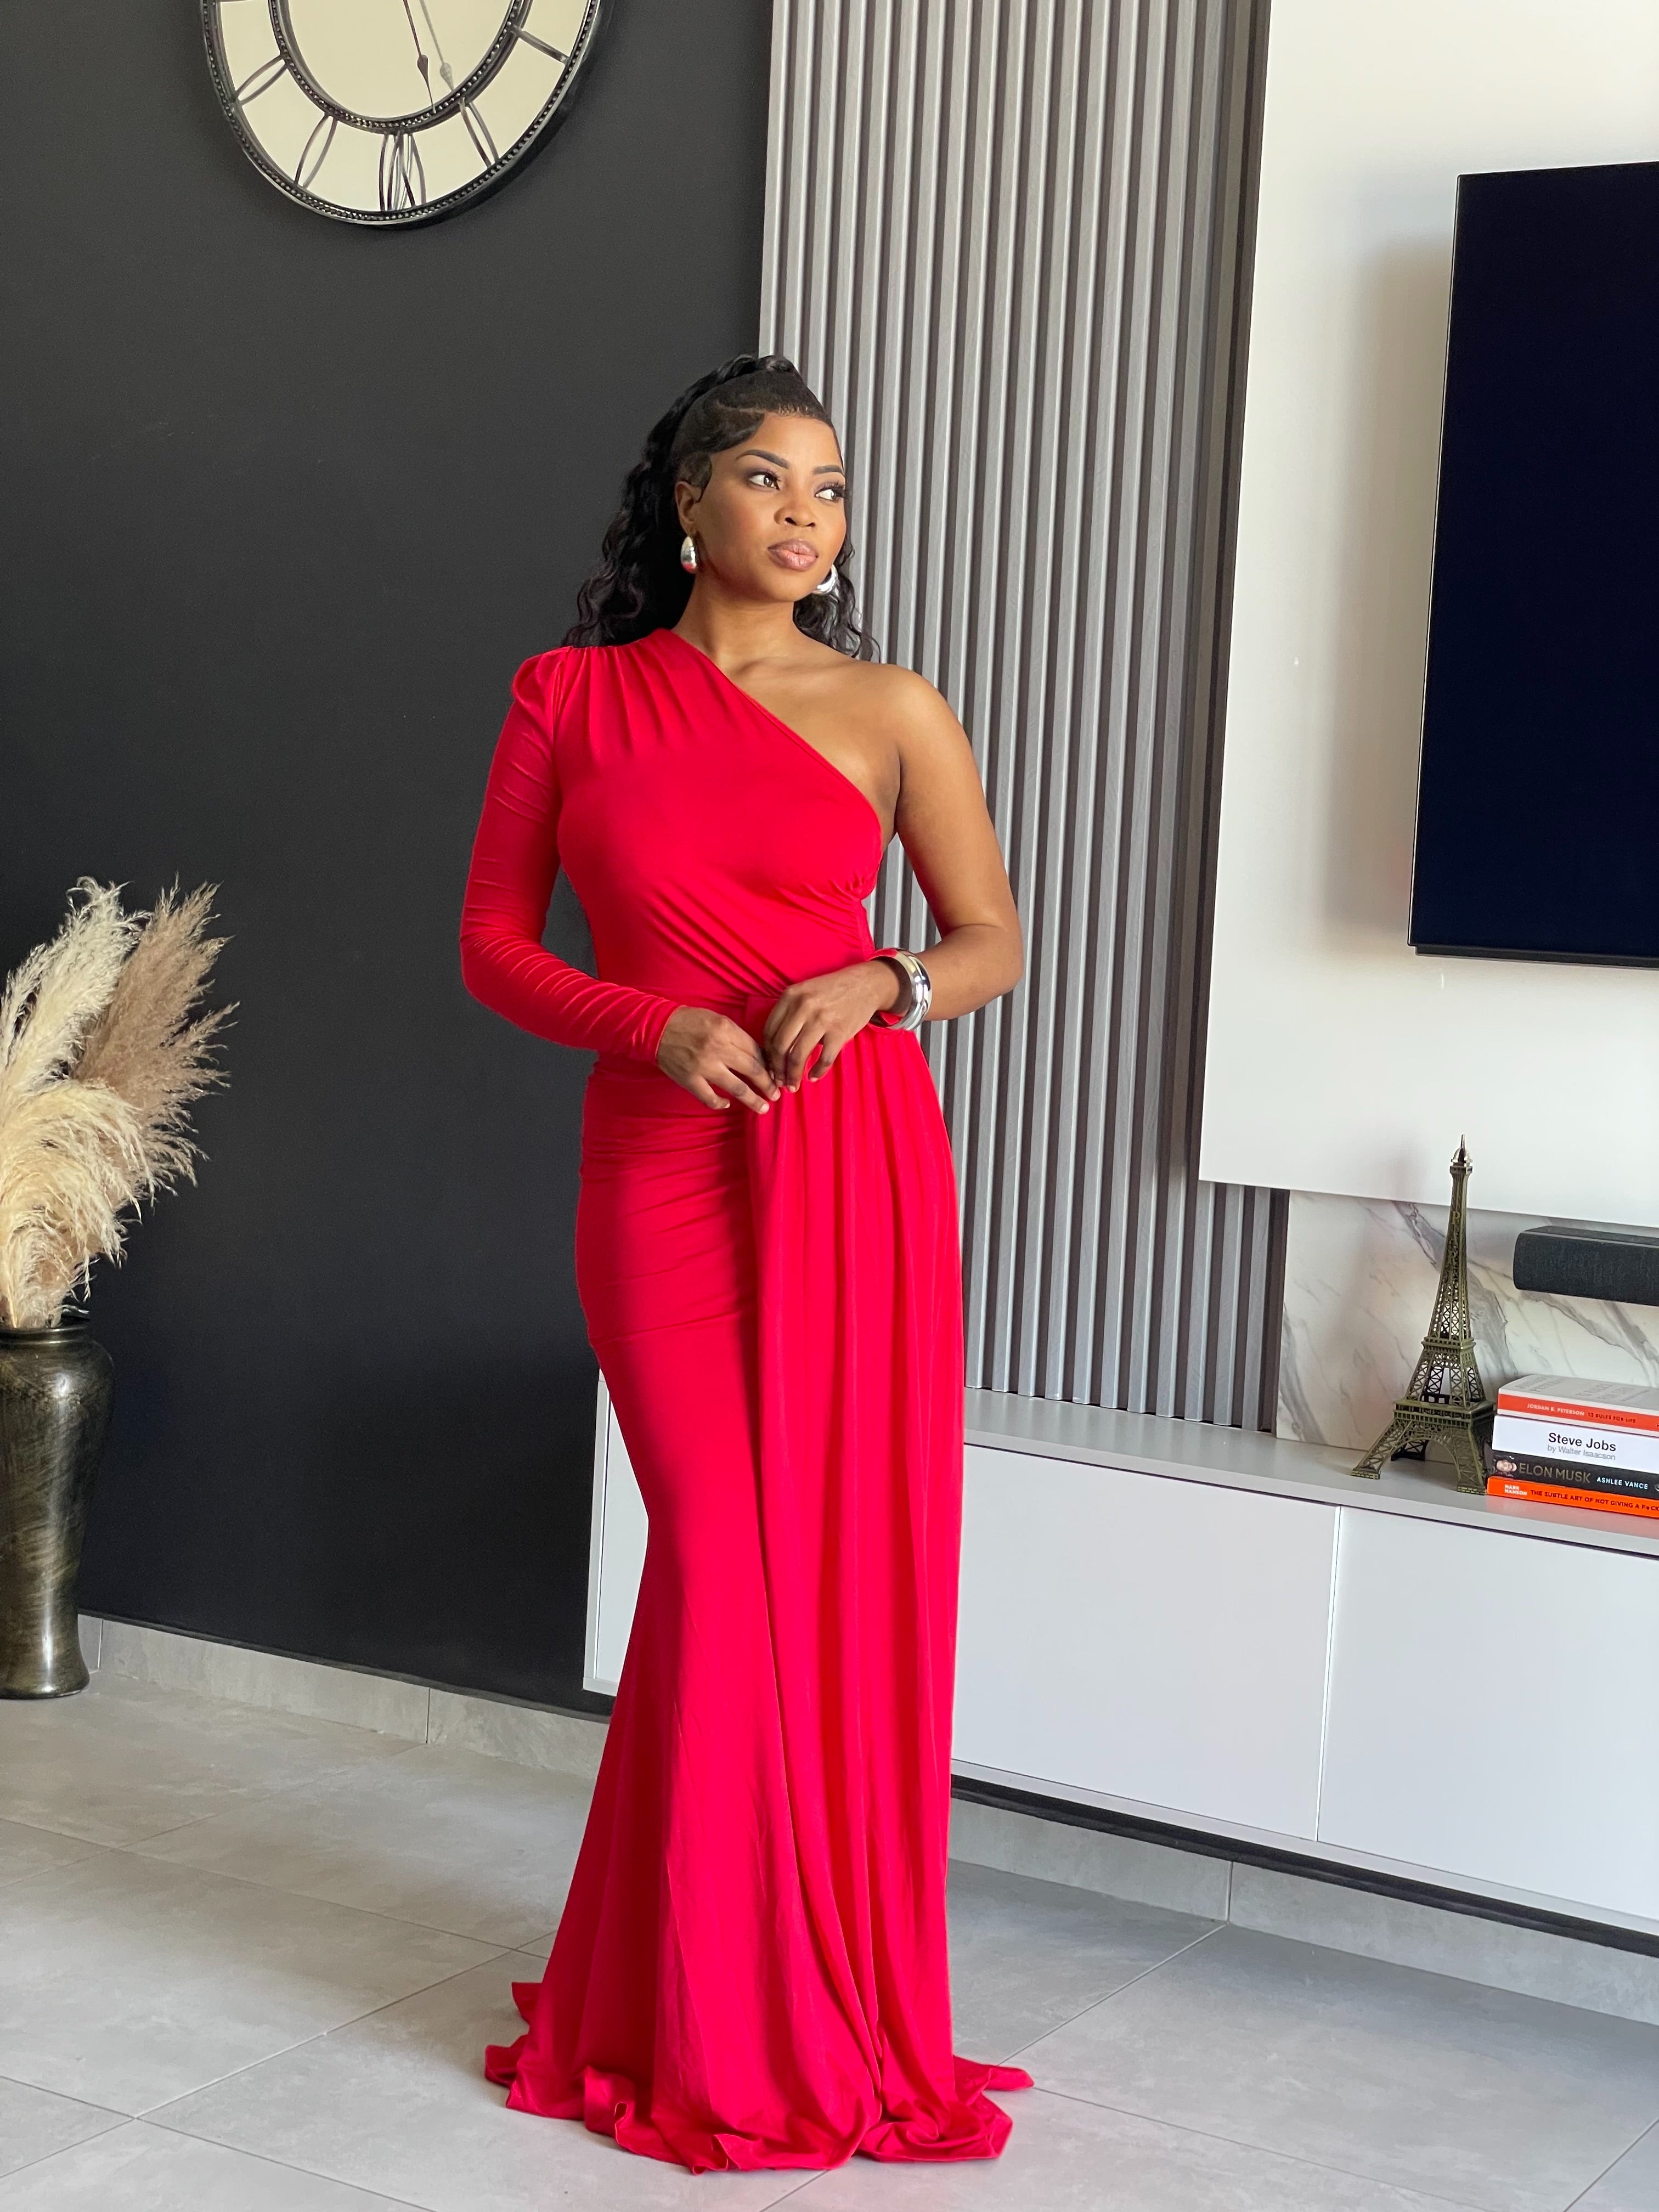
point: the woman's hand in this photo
(716, 1058)
(825, 1011)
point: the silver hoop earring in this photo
(831, 585)
(688, 555)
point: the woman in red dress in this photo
(750, 1969)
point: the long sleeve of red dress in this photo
(515, 864)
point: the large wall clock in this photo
(387, 112)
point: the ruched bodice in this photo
(716, 854)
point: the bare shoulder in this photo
(900, 702)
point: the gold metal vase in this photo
(56, 1385)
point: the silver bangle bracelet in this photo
(914, 1011)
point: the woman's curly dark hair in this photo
(637, 584)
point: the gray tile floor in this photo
(248, 1963)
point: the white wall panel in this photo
(1145, 1638)
(1492, 1709)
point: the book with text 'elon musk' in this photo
(1563, 1475)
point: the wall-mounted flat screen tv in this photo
(1537, 801)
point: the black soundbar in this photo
(1590, 1263)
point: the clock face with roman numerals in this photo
(389, 112)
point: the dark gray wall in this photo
(284, 505)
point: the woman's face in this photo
(772, 516)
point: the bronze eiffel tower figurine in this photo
(1446, 1397)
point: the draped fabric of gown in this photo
(750, 1969)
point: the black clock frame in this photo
(392, 130)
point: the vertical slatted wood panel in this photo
(1009, 246)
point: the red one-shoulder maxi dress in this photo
(750, 1969)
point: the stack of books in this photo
(1558, 1441)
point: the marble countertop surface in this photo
(1244, 1459)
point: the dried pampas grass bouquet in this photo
(103, 1045)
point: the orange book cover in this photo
(1547, 1493)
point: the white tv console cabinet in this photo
(1220, 1632)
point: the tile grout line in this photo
(491, 1944)
(116, 2119)
(139, 2120)
(1652, 2127)
(151, 2116)
(67, 2096)
(40, 1828)
(35, 1829)
(310, 1897)
(1267, 2150)
(799, 2188)
(288, 2166)
(1071, 2020)
(266, 1790)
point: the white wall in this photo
(1339, 1060)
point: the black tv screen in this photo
(1537, 801)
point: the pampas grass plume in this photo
(101, 1049)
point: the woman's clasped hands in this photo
(717, 1060)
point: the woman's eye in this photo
(761, 476)
(832, 491)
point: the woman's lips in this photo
(794, 553)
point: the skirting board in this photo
(1340, 1909)
(419, 1712)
